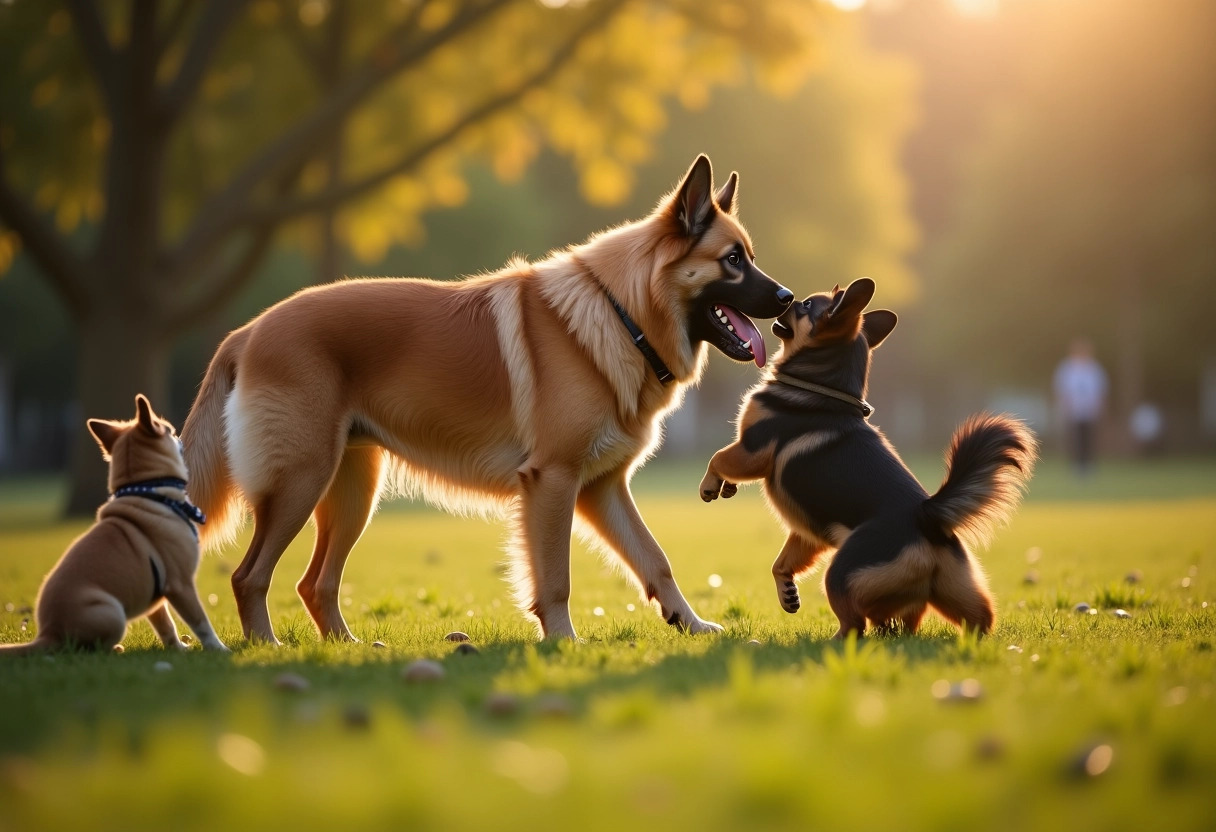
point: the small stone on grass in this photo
(356, 717)
(456, 636)
(118, 648)
(502, 704)
(1134, 577)
(162, 667)
(1082, 607)
(1122, 614)
(379, 645)
(466, 649)
(423, 670)
(291, 682)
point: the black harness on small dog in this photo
(861, 404)
(184, 509)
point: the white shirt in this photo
(1080, 385)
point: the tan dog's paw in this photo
(787, 594)
(700, 625)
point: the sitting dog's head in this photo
(827, 338)
(143, 448)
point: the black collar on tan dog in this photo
(639, 341)
(635, 332)
(182, 508)
(861, 404)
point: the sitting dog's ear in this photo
(694, 203)
(106, 434)
(877, 325)
(146, 418)
(854, 299)
(725, 197)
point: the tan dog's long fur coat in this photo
(521, 389)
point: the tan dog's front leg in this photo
(608, 507)
(546, 516)
(732, 465)
(162, 623)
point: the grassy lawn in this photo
(1079, 721)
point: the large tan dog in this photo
(538, 388)
(140, 556)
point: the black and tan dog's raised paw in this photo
(787, 594)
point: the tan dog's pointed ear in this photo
(106, 434)
(725, 197)
(145, 417)
(694, 201)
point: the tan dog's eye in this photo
(734, 258)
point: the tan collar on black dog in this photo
(861, 404)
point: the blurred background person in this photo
(1080, 387)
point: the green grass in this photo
(640, 724)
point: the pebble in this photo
(501, 703)
(466, 649)
(293, 682)
(1031, 577)
(989, 748)
(118, 648)
(968, 690)
(554, 705)
(1134, 577)
(1082, 607)
(186, 638)
(1122, 614)
(356, 717)
(1092, 761)
(456, 636)
(378, 644)
(423, 670)
(755, 642)
(162, 667)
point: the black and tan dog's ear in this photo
(106, 434)
(877, 325)
(694, 202)
(146, 418)
(725, 197)
(854, 299)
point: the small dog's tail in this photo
(38, 645)
(988, 463)
(205, 450)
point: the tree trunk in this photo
(119, 355)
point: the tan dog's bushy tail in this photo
(988, 464)
(204, 447)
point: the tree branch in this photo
(64, 270)
(215, 216)
(169, 31)
(217, 16)
(288, 209)
(91, 32)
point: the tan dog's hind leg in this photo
(99, 622)
(732, 465)
(341, 517)
(798, 555)
(162, 623)
(546, 515)
(608, 507)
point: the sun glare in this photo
(848, 5)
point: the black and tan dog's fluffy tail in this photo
(988, 463)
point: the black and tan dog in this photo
(838, 483)
(138, 558)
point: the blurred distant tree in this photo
(183, 136)
(1090, 206)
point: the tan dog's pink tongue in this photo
(746, 331)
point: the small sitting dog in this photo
(141, 554)
(838, 484)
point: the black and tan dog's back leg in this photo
(960, 593)
(732, 465)
(797, 557)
